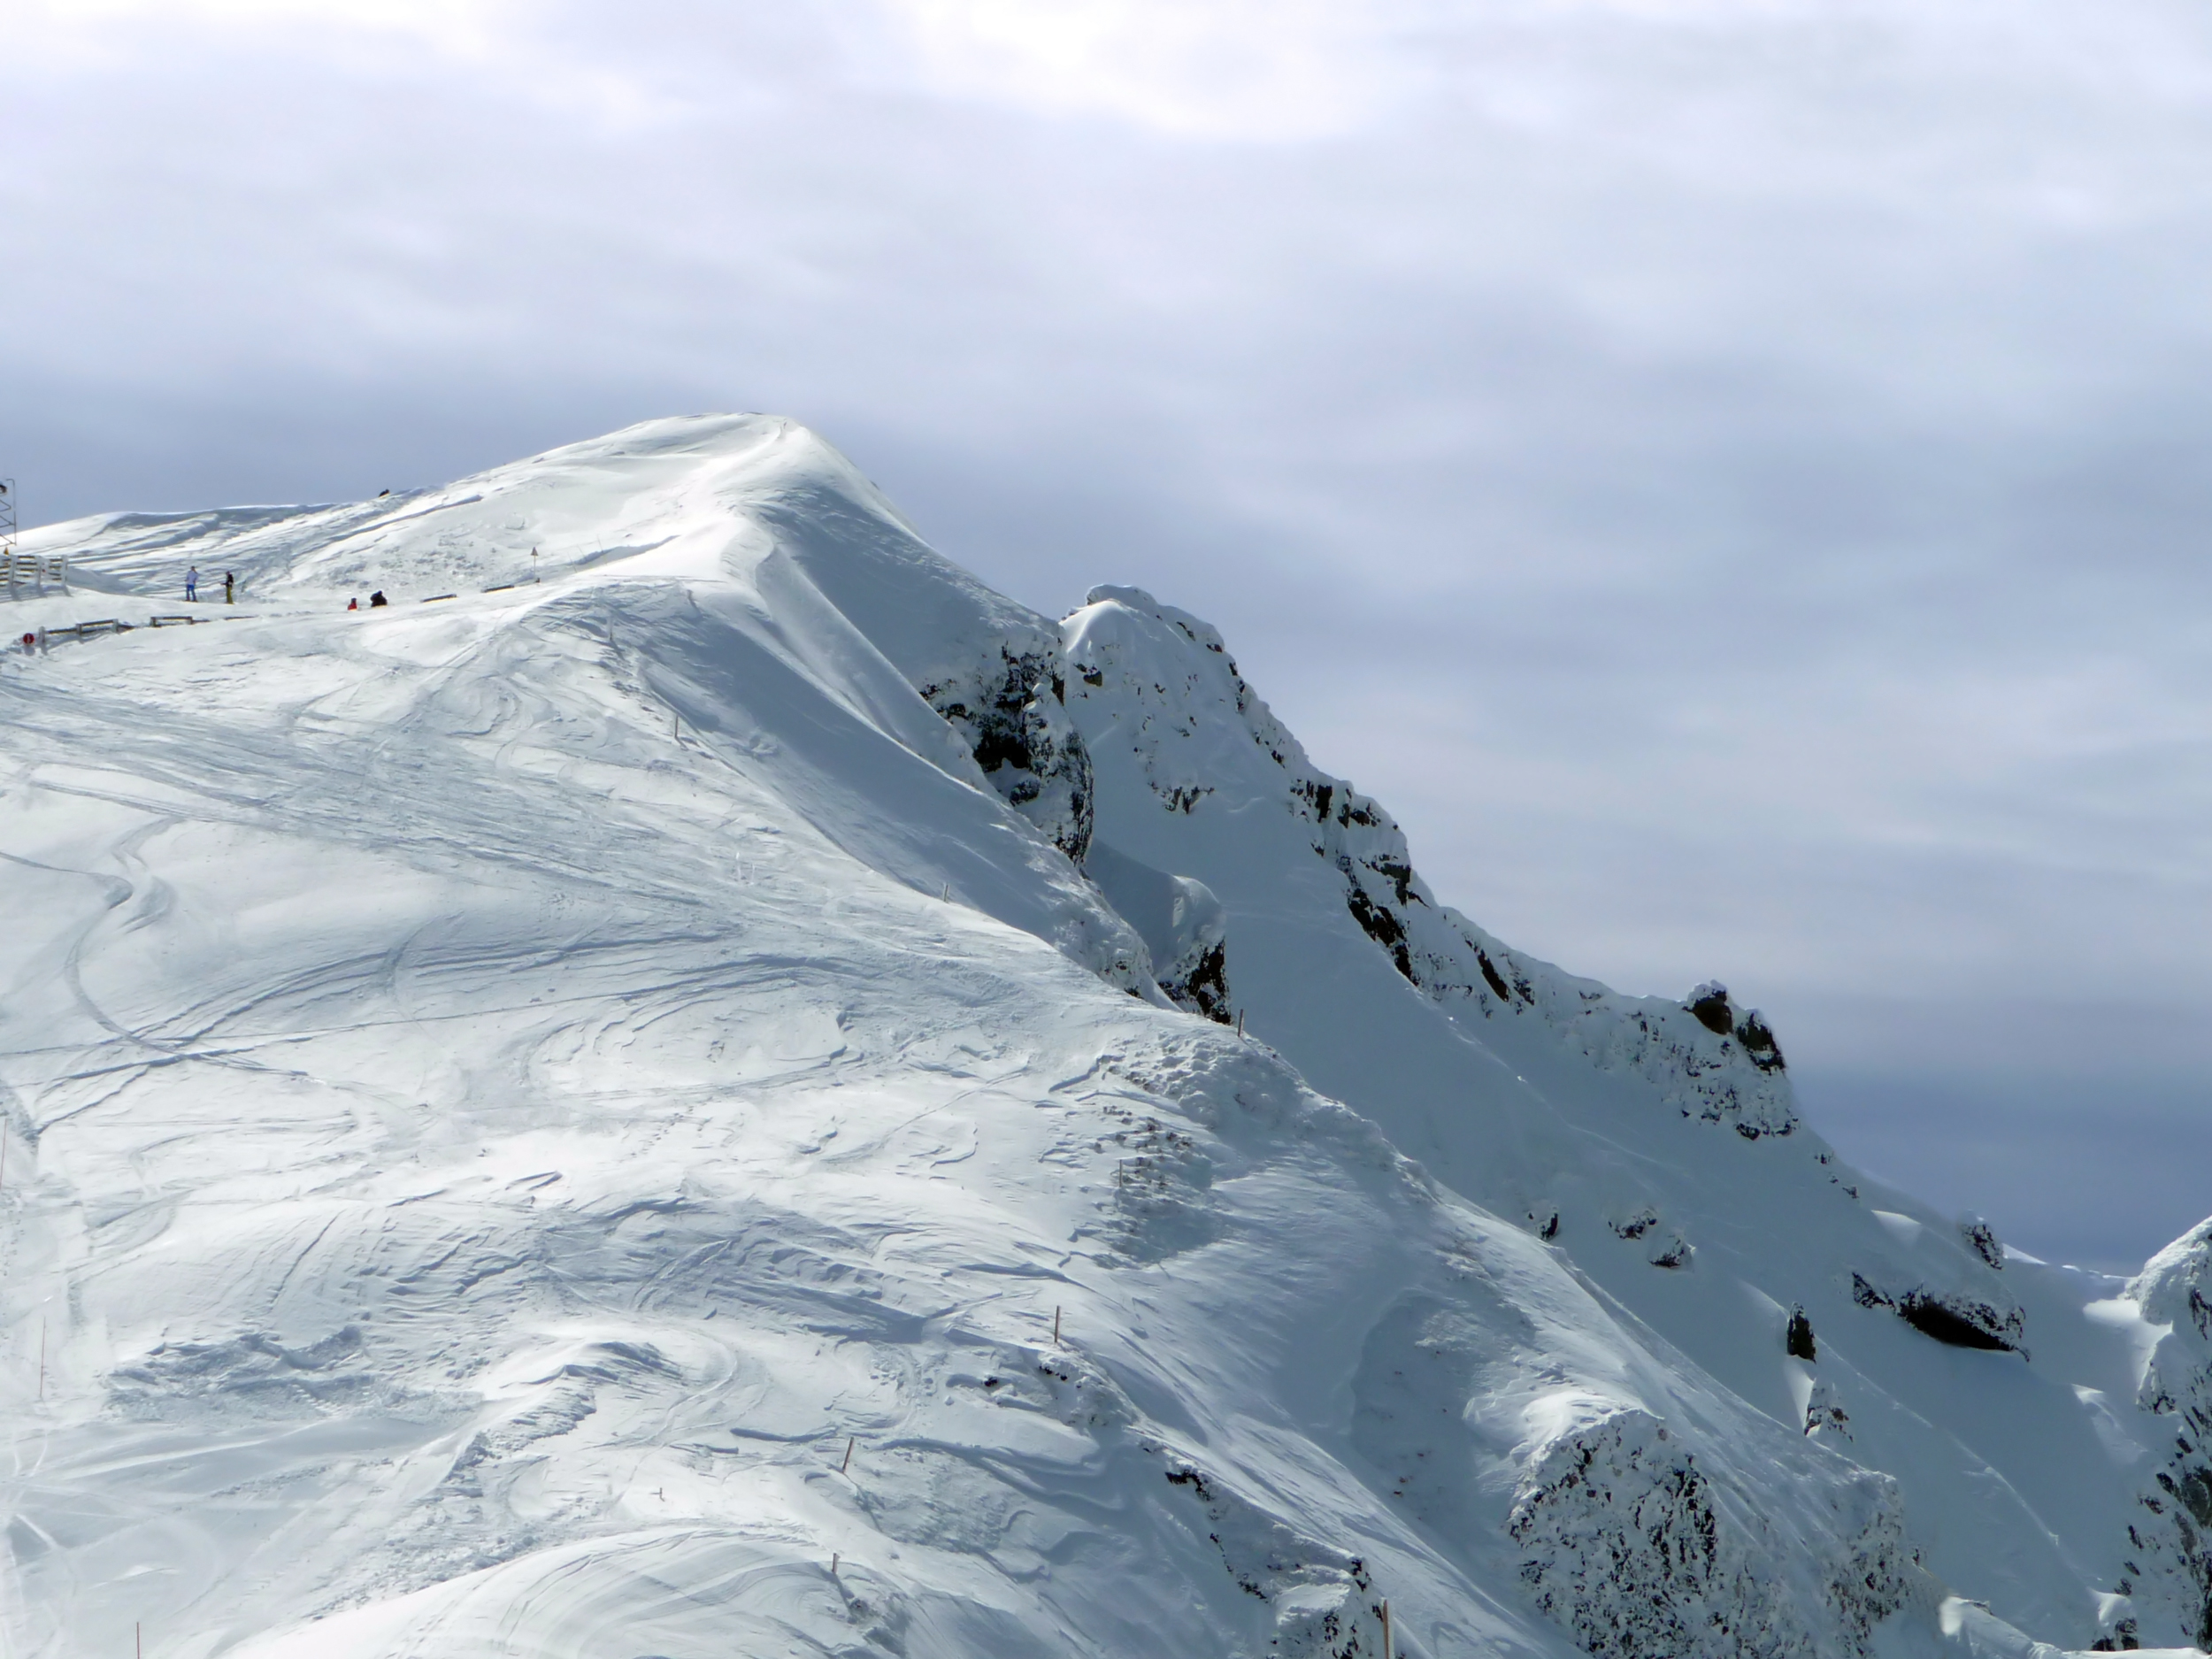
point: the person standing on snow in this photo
(229, 581)
(192, 586)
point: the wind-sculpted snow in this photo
(1183, 924)
(602, 1116)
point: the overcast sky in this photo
(1728, 474)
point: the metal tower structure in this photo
(7, 519)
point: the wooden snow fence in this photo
(44, 638)
(28, 571)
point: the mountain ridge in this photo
(586, 1077)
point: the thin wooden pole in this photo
(1390, 1648)
(847, 1463)
(1056, 1327)
(1240, 1022)
(834, 1559)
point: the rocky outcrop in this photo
(1189, 718)
(1013, 716)
(1663, 1245)
(1640, 1548)
(1980, 1239)
(1952, 1317)
(1943, 1284)
(1710, 1006)
(1797, 1338)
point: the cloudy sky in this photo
(1728, 474)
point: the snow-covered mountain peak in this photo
(729, 1088)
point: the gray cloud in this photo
(1729, 476)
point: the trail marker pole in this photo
(1389, 1649)
(1239, 1024)
(847, 1463)
(834, 1559)
(1056, 1327)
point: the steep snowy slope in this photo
(1657, 1143)
(692, 1106)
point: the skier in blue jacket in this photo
(192, 584)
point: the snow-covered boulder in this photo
(1643, 1548)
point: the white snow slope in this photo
(562, 1120)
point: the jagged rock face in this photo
(1982, 1240)
(1711, 1006)
(2172, 1538)
(1012, 717)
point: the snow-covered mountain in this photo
(703, 1083)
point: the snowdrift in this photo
(701, 1082)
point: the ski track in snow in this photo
(560, 1122)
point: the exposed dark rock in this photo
(1942, 1321)
(1957, 1320)
(1382, 926)
(1759, 1044)
(1014, 720)
(1663, 1245)
(1206, 989)
(1710, 1004)
(1798, 1339)
(1493, 978)
(1981, 1241)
